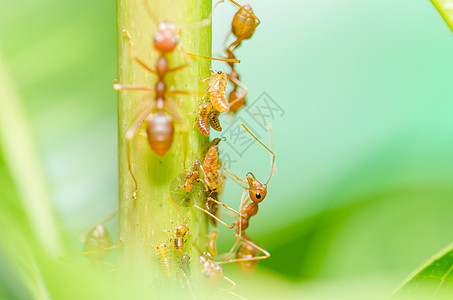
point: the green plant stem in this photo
(142, 222)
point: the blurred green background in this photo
(365, 171)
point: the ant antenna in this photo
(273, 155)
(204, 22)
(150, 12)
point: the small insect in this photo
(212, 242)
(181, 231)
(96, 245)
(213, 119)
(213, 273)
(159, 126)
(191, 177)
(184, 271)
(202, 118)
(217, 86)
(185, 264)
(165, 259)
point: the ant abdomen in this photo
(97, 238)
(243, 24)
(246, 252)
(160, 130)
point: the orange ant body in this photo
(246, 252)
(257, 193)
(243, 26)
(159, 126)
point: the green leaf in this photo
(445, 8)
(433, 280)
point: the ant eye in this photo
(258, 196)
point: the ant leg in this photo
(233, 284)
(250, 243)
(235, 178)
(93, 251)
(211, 242)
(239, 226)
(226, 206)
(150, 12)
(242, 86)
(130, 133)
(188, 285)
(210, 214)
(187, 54)
(170, 199)
(226, 38)
(184, 130)
(272, 153)
(121, 87)
(271, 145)
(132, 54)
(229, 290)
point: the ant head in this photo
(182, 229)
(161, 246)
(166, 39)
(206, 106)
(257, 190)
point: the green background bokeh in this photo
(365, 171)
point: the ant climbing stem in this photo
(243, 26)
(257, 193)
(159, 125)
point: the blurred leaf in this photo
(434, 279)
(445, 8)
(23, 162)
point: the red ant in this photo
(243, 26)
(159, 126)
